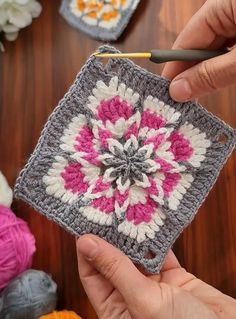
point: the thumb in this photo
(204, 78)
(114, 266)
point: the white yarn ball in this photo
(6, 194)
(17, 14)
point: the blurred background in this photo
(35, 72)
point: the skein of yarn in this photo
(29, 296)
(65, 314)
(17, 246)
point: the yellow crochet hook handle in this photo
(162, 56)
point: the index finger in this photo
(199, 33)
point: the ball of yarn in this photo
(29, 296)
(65, 314)
(17, 246)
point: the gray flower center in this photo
(129, 164)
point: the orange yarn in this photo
(61, 315)
(93, 8)
(109, 15)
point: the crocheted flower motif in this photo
(125, 164)
(103, 13)
(17, 14)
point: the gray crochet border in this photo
(29, 185)
(97, 32)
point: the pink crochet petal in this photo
(152, 189)
(180, 147)
(121, 198)
(169, 182)
(84, 141)
(74, 178)
(152, 120)
(156, 140)
(165, 166)
(92, 158)
(157, 113)
(100, 210)
(114, 109)
(79, 140)
(101, 186)
(132, 130)
(104, 204)
(104, 134)
(141, 213)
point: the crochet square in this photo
(120, 159)
(101, 19)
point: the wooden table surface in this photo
(36, 71)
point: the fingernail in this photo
(180, 90)
(87, 247)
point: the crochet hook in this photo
(161, 56)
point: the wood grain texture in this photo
(36, 71)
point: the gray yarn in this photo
(29, 296)
(128, 165)
(98, 32)
(29, 185)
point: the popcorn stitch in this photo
(127, 163)
(101, 19)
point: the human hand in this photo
(117, 289)
(212, 27)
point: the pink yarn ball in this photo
(17, 246)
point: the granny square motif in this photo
(120, 159)
(101, 19)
